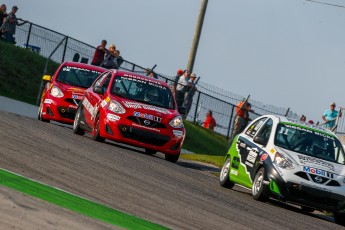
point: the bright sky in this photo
(286, 53)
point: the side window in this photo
(106, 82)
(265, 131)
(100, 79)
(254, 128)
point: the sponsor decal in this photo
(92, 110)
(137, 105)
(249, 164)
(316, 161)
(113, 117)
(145, 127)
(252, 156)
(147, 116)
(273, 151)
(103, 103)
(263, 157)
(235, 162)
(177, 133)
(73, 106)
(318, 172)
(315, 187)
(48, 101)
(234, 172)
(243, 145)
(76, 96)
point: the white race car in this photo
(291, 161)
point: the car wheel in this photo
(224, 179)
(96, 130)
(40, 111)
(150, 151)
(307, 209)
(339, 218)
(76, 123)
(258, 186)
(172, 158)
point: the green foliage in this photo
(21, 72)
(203, 141)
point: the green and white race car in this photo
(291, 161)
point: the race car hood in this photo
(69, 89)
(302, 160)
(136, 107)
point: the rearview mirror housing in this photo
(260, 140)
(98, 89)
(46, 78)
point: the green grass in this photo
(21, 72)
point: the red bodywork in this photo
(139, 124)
(63, 109)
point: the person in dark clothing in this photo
(119, 58)
(11, 22)
(100, 51)
(110, 60)
(3, 15)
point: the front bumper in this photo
(59, 109)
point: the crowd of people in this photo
(108, 58)
(8, 23)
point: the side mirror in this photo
(260, 140)
(98, 89)
(46, 78)
(182, 110)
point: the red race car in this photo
(63, 91)
(133, 109)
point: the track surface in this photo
(179, 196)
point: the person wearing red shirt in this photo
(209, 122)
(100, 51)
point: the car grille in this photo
(143, 135)
(67, 112)
(72, 101)
(305, 176)
(140, 121)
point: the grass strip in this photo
(74, 202)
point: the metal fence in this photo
(208, 97)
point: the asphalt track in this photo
(178, 196)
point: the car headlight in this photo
(282, 161)
(176, 122)
(56, 92)
(116, 107)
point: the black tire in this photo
(258, 186)
(76, 123)
(224, 179)
(339, 218)
(39, 116)
(172, 158)
(307, 209)
(150, 151)
(95, 132)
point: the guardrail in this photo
(208, 97)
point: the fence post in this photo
(287, 112)
(133, 68)
(229, 128)
(64, 50)
(196, 108)
(28, 39)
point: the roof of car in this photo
(86, 66)
(137, 75)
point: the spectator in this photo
(177, 77)
(3, 15)
(11, 23)
(303, 118)
(209, 122)
(188, 98)
(241, 119)
(100, 51)
(110, 60)
(119, 58)
(247, 118)
(152, 74)
(330, 115)
(181, 88)
(311, 122)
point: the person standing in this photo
(181, 88)
(209, 122)
(3, 15)
(241, 118)
(177, 77)
(188, 99)
(99, 54)
(11, 22)
(330, 115)
(110, 60)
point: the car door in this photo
(249, 152)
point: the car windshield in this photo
(77, 76)
(310, 142)
(141, 89)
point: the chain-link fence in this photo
(208, 97)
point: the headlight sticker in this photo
(178, 133)
(48, 101)
(113, 117)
